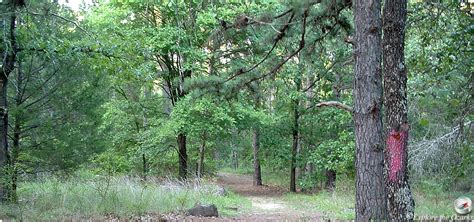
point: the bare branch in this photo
(437, 153)
(334, 104)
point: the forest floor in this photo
(267, 201)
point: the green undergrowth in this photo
(241, 171)
(115, 197)
(273, 178)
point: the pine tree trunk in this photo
(183, 156)
(257, 172)
(401, 205)
(370, 190)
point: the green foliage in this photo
(439, 88)
(108, 89)
(336, 154)
(202, 117)
(109, 163)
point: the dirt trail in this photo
(267, 201)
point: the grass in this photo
(430, 201)
(97, 197)
(332, 205)
(114, 197)
(430, 198)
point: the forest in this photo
(236, 110)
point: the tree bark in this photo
(257, 173)
(370, 190)
(401, 205)
(200, 169)
(183, 156)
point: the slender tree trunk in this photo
(330, 180)
(16, 135)
(9, 59)
(298, 153)
(14, 157)
(308, 168)
(294, 150)
(370, 190)
(183, 156)
(147, 96)
(236, 159)
(200, 169)
(4, 152)
(331, 174)
(257, 173)
(182, 152)
(145, 166)
(401, 205)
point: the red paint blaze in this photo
(396, 143)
